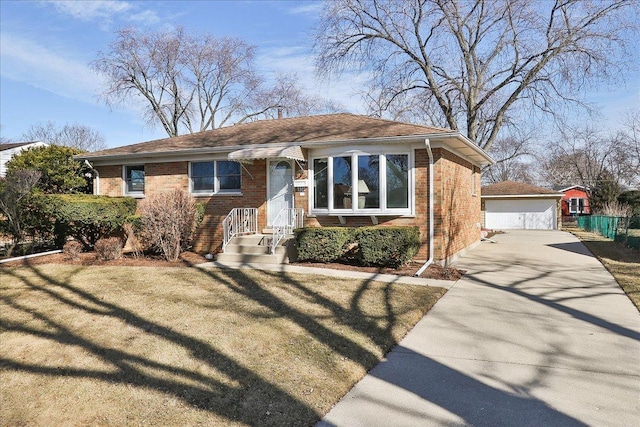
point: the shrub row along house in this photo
(328, 170)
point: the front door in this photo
(280, 192)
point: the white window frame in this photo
(383, 210)
(578, 209)
(125, 181)
(217, 190)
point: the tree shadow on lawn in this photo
(210, 395)
(202, 392)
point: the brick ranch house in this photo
(300, 171)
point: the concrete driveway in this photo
(537, 333)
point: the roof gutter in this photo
(522, 196)
(96, 188)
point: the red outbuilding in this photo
(575, 200)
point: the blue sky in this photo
(46, 47)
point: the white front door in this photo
(280, 191)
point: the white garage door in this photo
(532, 214)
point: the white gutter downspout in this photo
(430, 260)
(96, 189)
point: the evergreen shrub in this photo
(322, 244)
(387, 246)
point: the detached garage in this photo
(515, 205)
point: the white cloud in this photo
(106, 11)
(146, 16)
(312, 8)
(28, 62)
(89, 10)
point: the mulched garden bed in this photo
(434, 271)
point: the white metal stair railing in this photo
(288, 219)
(239, 221)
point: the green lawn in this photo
(182, 346)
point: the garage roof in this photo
(514, 189)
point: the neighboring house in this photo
(515, 205)
(301, 171)
(575, 201)
(10, 149)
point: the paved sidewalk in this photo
(537, 333)
(341, 274)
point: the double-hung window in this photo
(577, 205)
(215, 177)
(361, 183)
(134, 180)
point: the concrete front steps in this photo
(255, 249)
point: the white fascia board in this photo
(524, 196)
(574, 186)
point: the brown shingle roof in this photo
(512, 188)
(330, 127)
(10, 145)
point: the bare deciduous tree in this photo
(586, 156)
(185, 82)
(70, 135)
(3, 139)
(286, 97)
(630, 140)
(510, 154)
(472, 65)
(190, 83)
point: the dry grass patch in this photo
(179, 346)
(622, 262)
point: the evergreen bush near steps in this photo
(326, 244)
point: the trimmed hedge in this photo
(380, 246)
(387, 246)
(326, 244)
(85, 217)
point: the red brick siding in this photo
(456, 211)
(110, 180)
(457, 207)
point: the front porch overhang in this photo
(248, 155)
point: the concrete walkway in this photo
(537, 333)
(339, 274)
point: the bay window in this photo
(366, 184)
